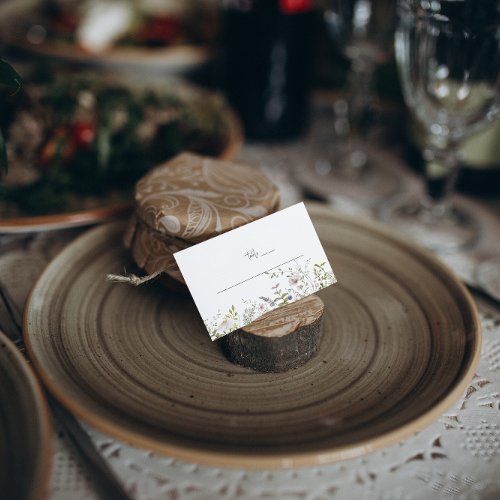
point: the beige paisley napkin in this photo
(190, 199)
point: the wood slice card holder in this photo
(280, 340)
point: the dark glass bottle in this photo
(267, 53)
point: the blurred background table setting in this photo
(383, 117)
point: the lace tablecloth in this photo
(457, 457)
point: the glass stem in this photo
(442, 168)
(352, 116)
(360, 83)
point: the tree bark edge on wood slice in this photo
(280, 340)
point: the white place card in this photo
(240, 275)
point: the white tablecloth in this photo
(457, 457)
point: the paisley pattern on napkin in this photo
(153, 251)
(195, 198)
(190, 199)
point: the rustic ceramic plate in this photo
(25, 428)
(401, 339)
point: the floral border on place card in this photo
(289, 285)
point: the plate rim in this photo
(40, 486)
(278, 460)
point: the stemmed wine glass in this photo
(448, 55)
(364, 31)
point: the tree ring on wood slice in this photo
(280, 340)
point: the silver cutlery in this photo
(479, 292)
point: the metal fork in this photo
(101, 474)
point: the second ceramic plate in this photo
(25, 428)
(401, 339)
(17, 17)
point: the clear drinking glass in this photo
(364, 31)
(448, 55)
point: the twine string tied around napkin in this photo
(132, 279)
